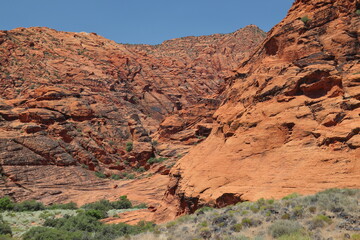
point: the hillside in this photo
(290, 117)
(72, 104)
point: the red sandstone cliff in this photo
(71, 101)
(290, 121)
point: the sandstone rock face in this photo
(73, 101)
(290, 121)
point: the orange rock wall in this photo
(290, 121)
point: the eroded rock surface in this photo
(74, 102)
(290, 121)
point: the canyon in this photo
(224, 118)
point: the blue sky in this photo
(143, 21)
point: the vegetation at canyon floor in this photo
(331, 214)
(33, 220)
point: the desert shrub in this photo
(247, 222)
(102, 205)
(242, 237)
(29, 205)
(298, 211)
(291, 196)
(70, 205)
(236, 227)
(140, 169)
(356, 236)
(261, 202)
(323, 218)
(357, 11)
(171, 224)
(312, 209)
(254, 208)
(295, 236)
(98, 214)
(44, 233)
(100, 175)
(115, 176)
(130, 176)
(205, 233)
(336, 200)
(285, 216)
(80, 222)
(84, 226)
(140, 206)
(203, 210)
(5, 229)
(5, 237)
(156, 160)
(106, 205)
(6, 203)
(122, 203)
(203, 224)
(284, 227)
(319, 221)
(305, 19)
(129, 146)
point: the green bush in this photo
(5, 237)
(123, 203)
(291, 196)
(29, 205)
(83, 226)
(305, 19)
(98, 214)
(319, 221)
(6, 203)
(44, 233)
(295, 236)
(358, 12)
(356, 236)
(115, 177)
(106, 205)
(102, 205)
(140, 170)
(140, 206)
(130, 176)
(100, 175)
(70, 206)
(236, 227)
(323, 218)
(129, 146)
(284, 227)
(5, 229)
(203, 210)
(247, 222)
(156, 160)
